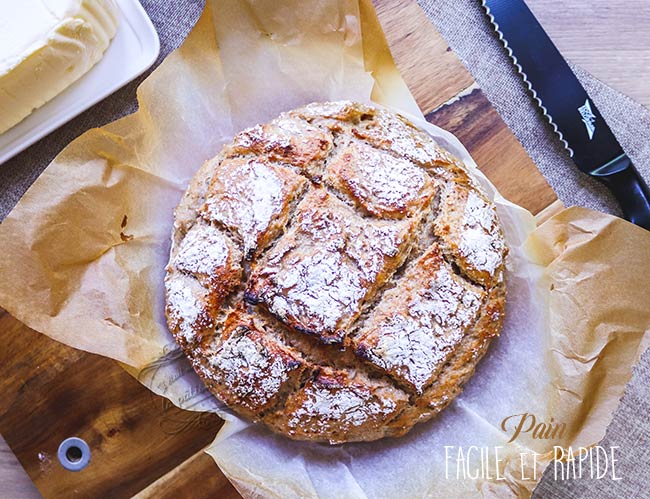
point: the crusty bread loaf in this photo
(335, 274)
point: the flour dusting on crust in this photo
(382, 184)
(320, 272)
(345, 405)
(420, 322)
(187, 307)
(477, 243)
(247, 196)
(251, 369)
(204, 251)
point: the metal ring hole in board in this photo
(74, 454)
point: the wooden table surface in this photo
(608, 38)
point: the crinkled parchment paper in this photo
(84, 251)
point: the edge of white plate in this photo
(132, 17)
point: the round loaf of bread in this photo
(335, 274)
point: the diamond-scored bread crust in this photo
(335, 274)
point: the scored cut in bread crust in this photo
(335, 274)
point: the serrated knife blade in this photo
(572, 113)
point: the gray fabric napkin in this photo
(469, 34)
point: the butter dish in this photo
(133, 49)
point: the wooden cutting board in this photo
(140, 443)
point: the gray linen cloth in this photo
(465, 28)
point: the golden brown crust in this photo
(335, 274)
(340, 407)
(251, 198)
(377, 182)
(331, 261)
(420, 322)
(460, 366)
(466, 225)
(250, 368)
(287, 139)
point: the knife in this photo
(572, 113)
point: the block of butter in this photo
(46, 45)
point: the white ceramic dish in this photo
(133, 50)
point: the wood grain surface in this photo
(608, 38)
(140, 444)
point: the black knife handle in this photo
(631, 191)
